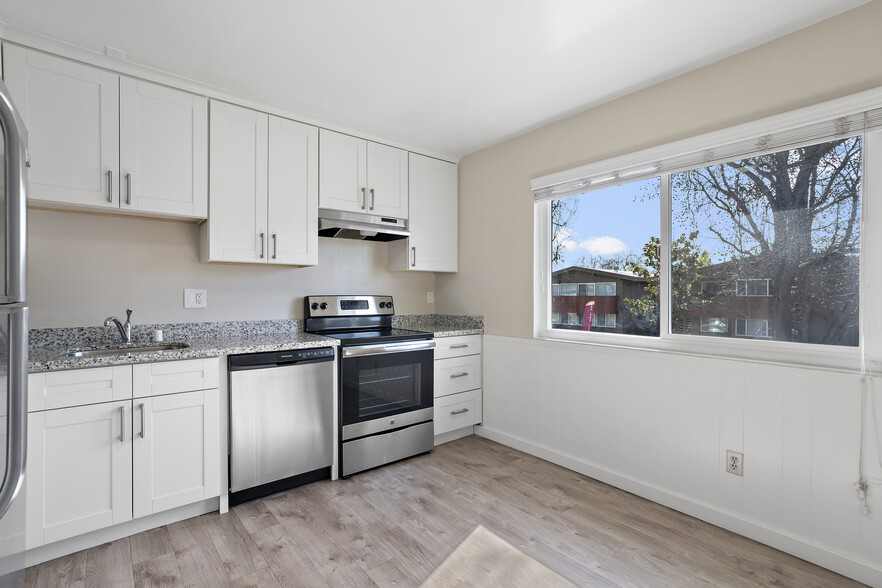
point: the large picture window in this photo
(750, 245)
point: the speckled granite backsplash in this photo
(438, 322)
(97, 336)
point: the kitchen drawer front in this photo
(457, 374)
(171, 377)
(457, 411)
(457, 346)
(51, 390)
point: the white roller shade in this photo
(629, 169)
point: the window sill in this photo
(825, 357)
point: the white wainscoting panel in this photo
(659, 424)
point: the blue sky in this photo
(612, 221)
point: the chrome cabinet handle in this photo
(275, 246)
(413, 256)
(462, 375)
(461, 411)
(372, 199)
(363, 198)
(128, 188)
(262, 235)
(122, 423)
(109, 185)
(141, 407)
(459, 346)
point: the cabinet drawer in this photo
(50, 390)
(457, 346)
(171, 377)
(457, 411)
(457, 374)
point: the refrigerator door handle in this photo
(17, 415)
(15, 136)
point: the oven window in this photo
(376, 386)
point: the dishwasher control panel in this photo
(247, 360)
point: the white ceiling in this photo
(448, 75)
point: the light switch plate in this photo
(430, 297)
(195, 298)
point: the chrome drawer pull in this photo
(109, 186)
(141, 406)
(460, 411)
(462, 375)
(122, 423)
(459, 346)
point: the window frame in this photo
(741, 348)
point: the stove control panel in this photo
(330, 306)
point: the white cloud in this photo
(600, 246)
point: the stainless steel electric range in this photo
(385, 380)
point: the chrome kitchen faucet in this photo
(125, 330)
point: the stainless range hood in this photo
(356, 225)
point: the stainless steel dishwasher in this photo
(281, 420)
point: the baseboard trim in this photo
(454, 435)
(64, 547)
(796, 546)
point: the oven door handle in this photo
(383, 348)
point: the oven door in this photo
(380, 381)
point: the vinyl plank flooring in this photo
(159, 572)
(109, 564)
(65, 572)
(394, 526)
(150, 544)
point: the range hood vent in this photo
(365, 227)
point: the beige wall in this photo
(84, 267)
(831, 59)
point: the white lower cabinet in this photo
(458, 397)
(98, 465)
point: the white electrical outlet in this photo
(430, 297)
(195, 298)
(735, 463)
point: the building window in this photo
(555, 318)
(605, 321)
(606, 289)
(586, 289)
(608, 231)
(574, 318)
(751, 328)
(714, 325)
(751, 287)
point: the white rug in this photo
(484, 559)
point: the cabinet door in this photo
(79, 470)
(72, 115)
(432, 245)
(342, 172)
(293, 193)
(175, 450)
(387, 180)
(238, 180)
(163, 150)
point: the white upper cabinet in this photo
(163, 149)
(357, 175)
(72, 115)
(432, 245)
(101, 141)
(264, 189)
(293, 193)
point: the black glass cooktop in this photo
(377, 336)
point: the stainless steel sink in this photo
(122, 350)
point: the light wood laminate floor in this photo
(395, 525)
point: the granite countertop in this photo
(209, 340)
(50, 359)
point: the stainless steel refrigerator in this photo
(13, 341)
